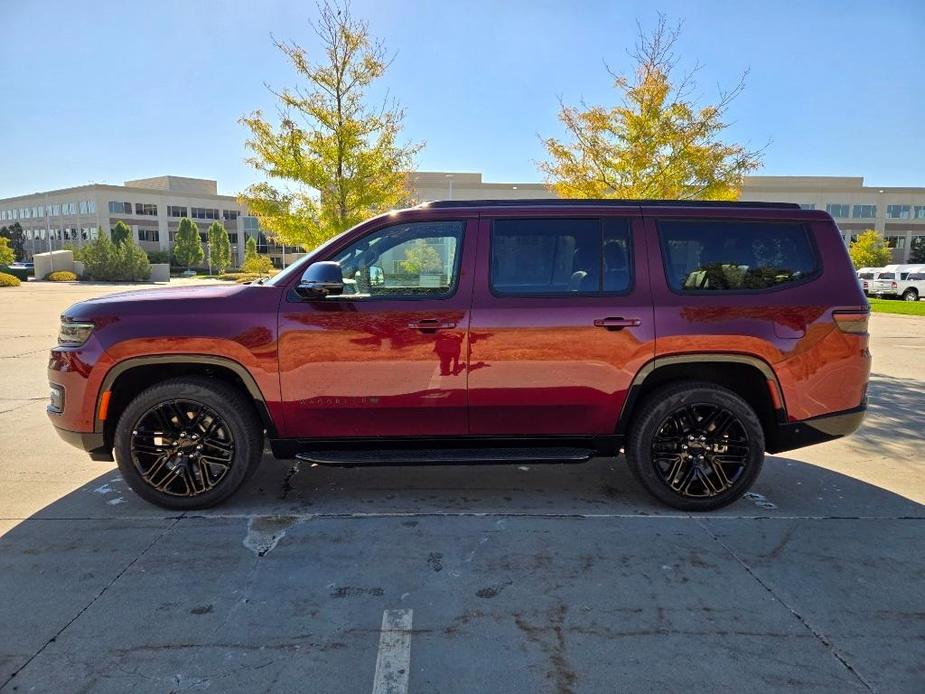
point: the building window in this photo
(919, 212)
(176, 211)
(69, 208)
(899, 211)
(148, 235)
(232, 238)
(864, 211)
(251, 225)
(807, 206)
(230, 215)
(203, 213)
(120, 207)
(146, 209)
(838, 210)
(898, 242)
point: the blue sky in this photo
(110, 90)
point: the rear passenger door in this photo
(561, 321)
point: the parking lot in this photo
(497, 579)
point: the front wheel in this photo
(910, 295)
(188, 443)
(695, 446)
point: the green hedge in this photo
(20, 273)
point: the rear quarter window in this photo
(735, 256)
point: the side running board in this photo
(444, 456)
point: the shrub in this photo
(158, 257)
(255, 263)
(61, 276)
(133, 261)
(8, 280)
(6, 253)
(108, 262)
(120, 233)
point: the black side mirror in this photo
(321, 279)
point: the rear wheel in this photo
(695, 446)
(910, 294)
(188, 443)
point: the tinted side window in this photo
(403, 261)
(735, 256)
(560, 256)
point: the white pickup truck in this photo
(895, 280)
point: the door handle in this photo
(617, 323)
(431, 324)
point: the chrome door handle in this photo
(617, 323)
(431, 324)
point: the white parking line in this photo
(394, 660)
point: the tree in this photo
(101, 259)
(332, 161)
(17, 239)
(121, 233)
(219, 247)
(132, 261)
(187, 248)
(917, 250)
(869, 250)
(7, 255)
(655, 143)
(253, 261)
(420, 258)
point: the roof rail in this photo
(590, 202)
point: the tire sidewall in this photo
(656, 408)
(227, 403)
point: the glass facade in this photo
(838, 210)
(899, 211)
(864, 211)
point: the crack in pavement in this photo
(92, 602)
(822, 638)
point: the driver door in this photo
(388, 356)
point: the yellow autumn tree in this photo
(332, 160)
(869, 249)
(656, 143)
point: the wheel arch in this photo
(748, 376)
(129, 376)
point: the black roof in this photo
(580, 202)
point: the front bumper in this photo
(90, 441)
(809, 432)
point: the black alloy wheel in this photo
(188, 442)
(182, 448)
(695, 446)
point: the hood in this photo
(162, 300)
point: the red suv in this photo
(694, 336)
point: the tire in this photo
(191, 464)
(910, 295)
(694, 474)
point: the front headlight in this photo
(73, 334)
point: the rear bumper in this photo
(816, 430)
(90, 442)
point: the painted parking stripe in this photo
(394, 660)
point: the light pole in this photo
(449, 178)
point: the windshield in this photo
(866, 275)
(886, 276)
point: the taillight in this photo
(894, 285)
(852, 321)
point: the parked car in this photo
(891, 280)
(694, 336)
(865, 275)
(913, 288)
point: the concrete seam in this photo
(92, 602)
(822, 638)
